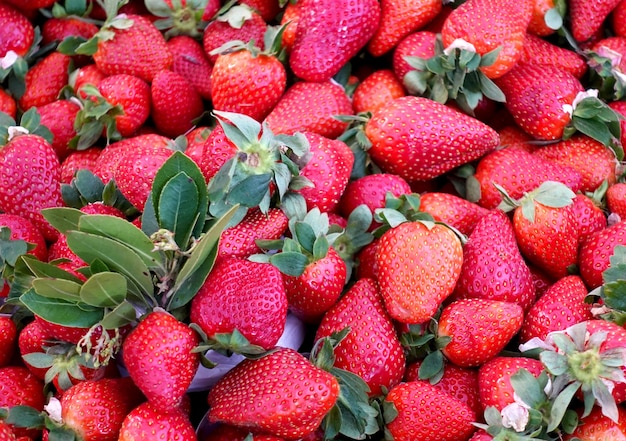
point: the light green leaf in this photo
(57, 289)
(60, 311)
(63, 218)
(105, 290)
(561, 404)
(121, 315)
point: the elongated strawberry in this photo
(146, 420)
(175, 103)
(432, 151)
(329, 34)
(158, 356)
(45, 80)
(616, 199)
(587, 18)
(59, 116)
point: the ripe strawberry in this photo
(379, 88)
(24, 229)
(192, 63)
(267, 395)
(245, 296)
(494, 379)
(560, 307)
(59, 117)
(30, 180)
(418, 267)
(517, 171)
(493, 267)
(77, 160)
(8, 340)
(535, 95)
(7, 103)
(537, 50)
(307, 106)
(620, 108)
(147, 421)
(45, 80)
(490, 24)
(479, 329)
(537, 25)
(225, 432)
(56, 29)
(588, 215)
(17, 33)
(6, 433)
(88, 74)
(453, 210)
(419, 44)
(329, 169)
(19, 387)
(268, 9)
(158, 356)
(597, 426)
(398, 19)
(371, 349)
(587, 18)
(616, 199)
(367, 267)
(290, 19)
(175, 103)
(437, 148)
(425, 412)
(329, 34)
(132, 94)
(595, 252)
(617, 20)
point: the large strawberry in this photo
(158, 356)
(329, 34)
(447, 138)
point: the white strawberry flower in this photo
(53, 409)
(16, 131)
(459, 43)
(9, 59)
(569, 108)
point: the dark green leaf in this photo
(63, 218)
(61, 312)
(178, 208)
(184, 291)
(25, 416)
(527, 387)
(290, 263)
(561, 404)
(58, 289)
(305, 235)
(123, 314)
(250, 191)
(105, 290)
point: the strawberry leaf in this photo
(104, 290)
(178, 208)
(290, 263)
(57, 289)
(121, 315)
(61, 312)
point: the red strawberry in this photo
(437, 148)
(419, 44)
(371, 349)
(620, 108)
(595, 252)
(616, 199)
(268, 9)
(282, 394)
(560, 307)
(132, 94)
(587, 18)
(537, 25)
(494, 379)
(290, 19)
(245, 296)
(56, 29)
(147, 421)
(367, 266)
(536, 50)
(418, 267)
(158, 356)
(588, 215)
(77, 160)
(618, 20)
(17, 33)
(597, 426)
(329, 34)
(7, 103)
(307, 106)
(8, 340)
(19, 387)
(192, 62)
(490, 24)
(175, 103)
(398, 19)
(59, 117)
(493, 267)
(89, 74)
(379, 88)
(425, 412)
(24, 229)
(453, 210)
(6, 433)
(45, 80)
(479, 329)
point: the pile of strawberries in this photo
(433, 190)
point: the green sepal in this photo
(290, 263)
(122, 314)
(25, 417)
(596, 119)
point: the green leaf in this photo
(183, 292)
(555, 363)
(527, 387)
(553, 19)
(25, 416)
(432, 366)
(63, 218)
(121, 315)
(358, 417)
(560, 405)
(61, 312)
(490, 57)
(250, 191)
(320, 248)
(554, 194)
(490, 89)
(178, 208)
(58, 289)
(305, 235)
(290, 263)
(104, 290)
(241, 130)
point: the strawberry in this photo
(367, 267)
(596, 250)
(132, 95)
(537, 25)
(620, 108)
(419, 410)
(616, 199)
(432, 151)
(478, 328)
(210, 149)
(158, 356)
(19, 387)
(536, 50)
(146, 421)
(329, 34)
(77, 160)
(618, 23)
(225, 432)
(23, 229)
(371, 349)
(379, 88)
(493, 267)
(418, 267)
(494, 379)
(247, 80)
(245, 296)
(597, 426)
(59, 116)
(282, 394)
(453, 210)
(6, 433)
(560, 307)
(481, 435)
(290, 19)
(400, 18)
(175, 103)
(419, 44)
(88, 74)
(589, 157)
(7, 103)
(192, 63)
(308, 106)
(8, 340)
(268, 9)
(17, 33)
(95, 410)
(488, 25)
(56, 29)
(329, 169)
(44, 81)
(517, 171)
(587, 18)
(588, 215)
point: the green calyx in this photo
(550, 194)
(95, 118)
(29, 123)
(612, 293)
(178, 17)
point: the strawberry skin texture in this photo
(219, 32)
(589, 217)
(489, 24)
(8, 104)
(595, 253)
(427, 413)
(379, 88)
(479, 329)
(418, 268)
(329, 34)
(281, 394)
(372, 349)
(243, 295)
(417, 44)
(24, 229)
(445, 139)
(616, 199)
(139, 50)
(132, 94)
(157, 354)
(18, 386)
(59, 116)
(537, 50)
(192, 62)
(453, 210)
(597, 426)
(45, 80)
(17, 33)
(587, 17)
(8, 340)
(535, 95)
(148, 422)
(78, 159)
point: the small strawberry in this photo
(453, 210)
(158, 356)
(595, 252)
(538, 25)
(268, 9)
(146, 421)
(56, 29)
(379, 88)
(44, 81)
(79, 160)
(88, 74)
(589, 216)
(22, 229)
(8, 340)
(132, 95)
(192, 62)
(7, 103)
(587, 18)
(329, 34)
